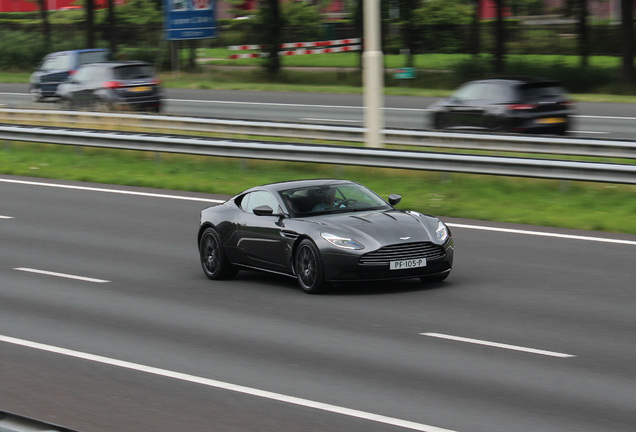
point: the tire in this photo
(438, 122)
(308, 266)
(213, 260)
(64, 104)
(100, 105)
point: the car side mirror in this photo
(394, 199)
(263, 210)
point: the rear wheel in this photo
(64, 104)
(100, 105)
(213, 261)
(309, 268)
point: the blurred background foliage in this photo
(440, 27)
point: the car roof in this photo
(81, 50)
(519, 80)
(116, 63)
(293, 184)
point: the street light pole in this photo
(373, 74)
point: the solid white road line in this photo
(115, 191)
(544, 234)
(498, 345)
(62, 275)
(226, 386)
(6, 217)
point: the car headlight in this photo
(442, 232)
(342, 242)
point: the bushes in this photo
(574, 78)
(442, 24)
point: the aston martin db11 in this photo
(322, 232)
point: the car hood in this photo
(377, 228)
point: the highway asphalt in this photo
(594, 120)
(108, 323)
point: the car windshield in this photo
(92, 57)
(331, 198)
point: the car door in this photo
(465, 106)
(487, 105)
(84, 85)
(259, 238)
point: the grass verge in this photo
(579, 205)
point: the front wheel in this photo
(213, 261)
(309, 268)
(438, 122)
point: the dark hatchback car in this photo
(116, 85)
(517, 105)
(56, 67)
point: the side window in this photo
(83, 74)
(501, 94)
(469, 92)
(100, 73)
(257, 199)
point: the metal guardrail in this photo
(563, 146)
(342, 155)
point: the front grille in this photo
(404, 251)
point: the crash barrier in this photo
(299, 48)
(514, 144)
(15, 423)
(330, 154)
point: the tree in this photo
(475, 36)
(112, 37)
(579, 9)
(90, 24)
(583, 33)
(46, 26)
(627, 33)
(269, 23)
(409, 28)
(499, 37)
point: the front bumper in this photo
(346, 267)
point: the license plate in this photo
(139, 89)
(551, 120)
(407, 264)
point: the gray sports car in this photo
(320, 232)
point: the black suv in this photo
(519, 105)
(117, 85)
(56, 67)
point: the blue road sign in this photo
(190, 19)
